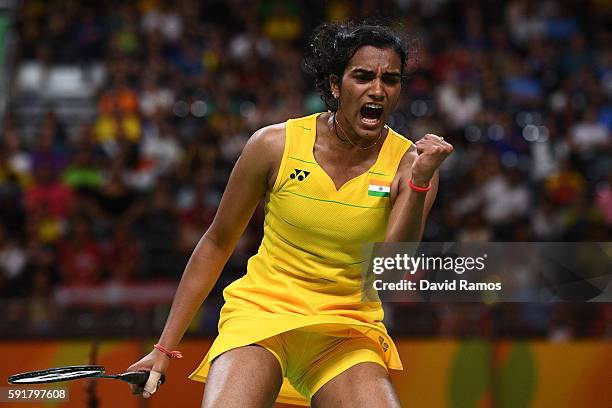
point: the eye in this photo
(391, 80)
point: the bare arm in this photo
(247, 184)
(410, 208)
(251, 177)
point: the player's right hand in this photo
(157, 363)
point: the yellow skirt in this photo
(257, 326)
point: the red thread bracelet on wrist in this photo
(418, 189)
(169, 353)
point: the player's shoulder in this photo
(271, 138)
(269, 134)
(268, 139)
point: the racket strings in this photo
(56, 374)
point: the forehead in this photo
(373, 58)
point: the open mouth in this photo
(371, 113)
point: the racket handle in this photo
(138, 377)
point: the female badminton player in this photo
(295, 328)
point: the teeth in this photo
(373, 105)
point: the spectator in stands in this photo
(13, 259)
(160, 146)
(459, 103)
(18, 159)
(48, 192)
(588, 135)
(156, 228)
(42, 311)
(79, 255)
(122, 255)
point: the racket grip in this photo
(139, 377)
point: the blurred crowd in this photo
(522, 89)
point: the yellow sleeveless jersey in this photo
(307, 271)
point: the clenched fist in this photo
(432, 151)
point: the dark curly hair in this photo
(334, 44)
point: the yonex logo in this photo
(384, 345)
(299, 174)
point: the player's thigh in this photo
(366, 384)
(245, 377)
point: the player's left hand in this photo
(432, 151)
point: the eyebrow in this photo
(367, 71)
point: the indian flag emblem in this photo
(379, 188)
